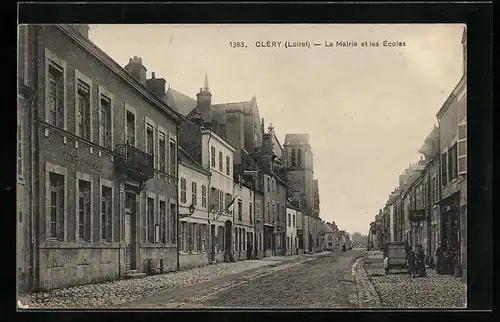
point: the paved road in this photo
(308, 282)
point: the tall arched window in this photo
(299, 158)
(293, 158)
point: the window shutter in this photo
(87, 215)
(109, 217)
(462, 148)
(60, 211)
(213, 194)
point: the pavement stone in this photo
(118, 292)
(367, 296)
(399, 290)
(122, 291)
(325, 281)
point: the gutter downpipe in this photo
(212, 244)
(177, 197)
(34, 244)
(254, 219)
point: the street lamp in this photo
(191, 210)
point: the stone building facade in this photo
(103, 151)
(244, 215)
(436, 188)
(195, 238)
(291, 229)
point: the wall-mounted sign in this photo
(73, 158)
(417, 215)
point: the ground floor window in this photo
(84, 210)
(184, 236)
(106, 213)
(220, 238)
(163, 220)
(56, 205)
(204, 237)
(244, 239)
(172, 223)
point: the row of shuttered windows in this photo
(158, 223)
(195, 238)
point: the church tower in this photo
(298, 160)
(204, 102)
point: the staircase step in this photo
(134, 275)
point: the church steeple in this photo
(204, 98)
(205, 86)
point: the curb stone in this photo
(367, 295)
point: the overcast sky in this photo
(367, 109)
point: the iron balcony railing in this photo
(136, 161)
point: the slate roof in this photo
(185, 158)
(245, 106)
(180, 102)
(297, 139)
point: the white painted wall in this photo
(201, 179)
(291, 229)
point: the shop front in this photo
(450, 229)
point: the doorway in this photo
(228, 228)
(249, 245)
(212, 243)
(130, 230)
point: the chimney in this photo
(82, 29)
(137, 69)
(204, 102)
(270, 128)
(156, 85)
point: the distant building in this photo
(244, 220)
(292, 245)
(298, 160)
(316, 198)
(329, 237)
(431, 192)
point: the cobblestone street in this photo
(399, 290)
(122, 291)
(203, 281)
(309, 281)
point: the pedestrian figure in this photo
(440, 256)
(411, 264)
(420, 261)
(344, 248)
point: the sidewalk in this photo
(399, 290)
(122, 291)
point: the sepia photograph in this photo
(254, 166)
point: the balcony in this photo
(136, 164)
